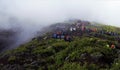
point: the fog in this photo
(30, 16)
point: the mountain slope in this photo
(86, 51)
(7, 38)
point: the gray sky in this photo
(50, 11)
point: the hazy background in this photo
(30, 16)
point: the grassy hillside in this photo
(85, 52)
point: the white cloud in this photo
(49, 11)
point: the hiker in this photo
(67, 38)
(88, 31)
(58, 34)
(95, 29)
(78, 25)
(71, 29)
(96, 35)
(62, 33)
(101, 32)
(112, 33)
(83, 28)
(54, 35)
(62, 37)
(113, 46)
(115, 34)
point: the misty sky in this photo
(31, 15)
(50, 11)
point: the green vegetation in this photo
(81, 54)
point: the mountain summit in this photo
(74, 45)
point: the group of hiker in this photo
(62, 35)
(80, 28)
(89, 30)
